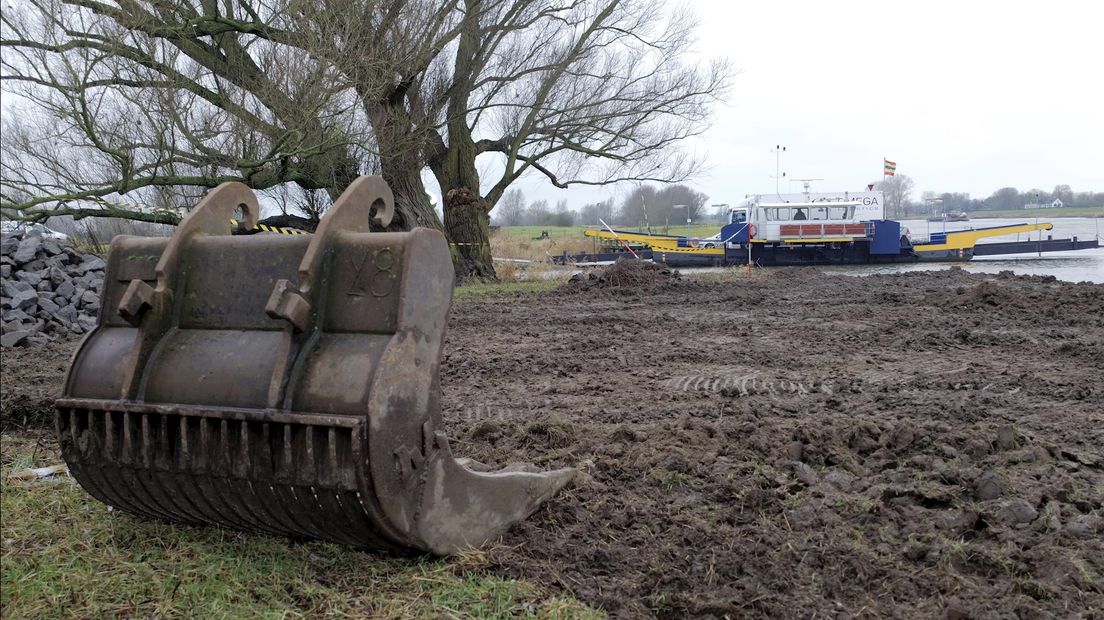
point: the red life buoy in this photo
(753, 230)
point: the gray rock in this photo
(14, 339)
(90, 297)
(27, 249)
(57, 276)
(51, 247)
(29, 277)
(17, 316)
(61, 260)
(8, 245)
(35, 265)
(21, 294)
(66, 289)
(26, 300)
(11, 286)
(86, 322)
(47, 305)
(5, 271)
(68, 313)
(93, 263)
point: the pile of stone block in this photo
(49, 289)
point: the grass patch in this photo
(67, 555)
(525, 242)
(504, 290)
(512, 245)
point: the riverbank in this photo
(786, 443)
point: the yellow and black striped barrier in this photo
(274, 229)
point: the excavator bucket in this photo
(283, 384)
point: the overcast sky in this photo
(966, 96)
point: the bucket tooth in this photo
(465, 508)
(285, 385)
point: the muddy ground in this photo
(923, 444)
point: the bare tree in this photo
(581, 92)
(897, 190)
(590, 214)
(143, 95)
(153, 97)
(511, 209)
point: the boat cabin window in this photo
(789, 214)
(739, 217)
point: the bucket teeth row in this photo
(283, 479)
(263, 452)
(249, 382)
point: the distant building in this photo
(1057, 204)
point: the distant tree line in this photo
(651, 206)
(1012, 198)
(899, 201)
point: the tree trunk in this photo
(467, 213)
(413, 207)
(401, 167)
(466, 220)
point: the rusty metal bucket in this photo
(283, 384)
